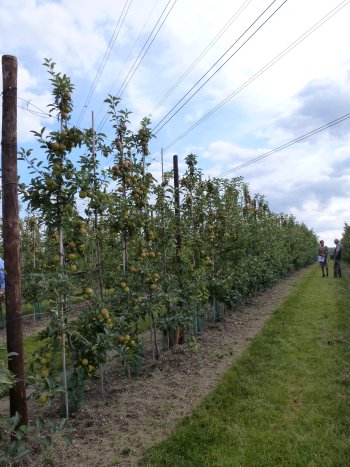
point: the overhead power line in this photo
(217, 70)
(122, 66)
(105, 57)
(289, 143)
(42, 113)
(204, 52)
(262, 70)
(144, 50)
(38, 112)
(141, 56)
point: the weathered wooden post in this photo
(11, 236)
(181, 337)
(177, 204)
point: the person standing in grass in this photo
(337, 258)
(323, 258)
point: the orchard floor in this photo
(133, 414)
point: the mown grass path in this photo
(286, 401)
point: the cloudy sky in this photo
(231, 81)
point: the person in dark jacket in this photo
(337, 258)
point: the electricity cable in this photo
(204, 52)
(289, 143)
(130, 52)
(105, 58)
(39, 113)
(139, 58)
(262, 70)
(218, 69)
(136, 65)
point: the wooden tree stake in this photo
(11, 235)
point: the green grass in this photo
(32, 345)
(286, 401)
(28, 308)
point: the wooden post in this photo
(163, 215)
(162, 163)
(96, 223)
(181, 338)
(11, 236)
(177, 203)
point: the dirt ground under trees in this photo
(118, 426)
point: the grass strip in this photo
(285, 402)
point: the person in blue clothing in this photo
(2, 277)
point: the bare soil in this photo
(118, 426)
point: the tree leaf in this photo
(46, 441)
